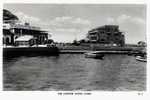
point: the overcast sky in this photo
(73, 21)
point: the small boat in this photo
(140, 58)
(94, 55)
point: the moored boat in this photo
(140, 58)
(94, 55)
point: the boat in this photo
(94, 55)
(141, 58)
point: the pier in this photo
(99, 52)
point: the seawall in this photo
(29, 51)
(104, 50)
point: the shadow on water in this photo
(15, 56)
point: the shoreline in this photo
(8, 51)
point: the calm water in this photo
(74, 72)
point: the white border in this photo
(78, 1)
(95, 94)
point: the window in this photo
(92, 33)
(108, 33)
(102, 40)
(93, 38)
(102, 32)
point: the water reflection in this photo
(72, 72)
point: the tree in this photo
(82, 41)
(49, 41)
(75, 42)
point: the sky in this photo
(67, 22)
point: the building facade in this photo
(12, 30)
(107, 34)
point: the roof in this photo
(7, 15)
(104, 26)
(28, 27)
(25, 27)
(24, 38)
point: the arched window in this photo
(7, 40)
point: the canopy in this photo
(24, 38)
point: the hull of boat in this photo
(141, 59)
(96, 56)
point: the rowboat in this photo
(140, 58)
(94, 55)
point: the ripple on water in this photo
(74, 72)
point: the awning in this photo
(24, 38)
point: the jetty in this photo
(98, 52)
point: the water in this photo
(74, 72)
